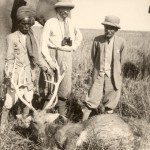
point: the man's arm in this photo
(94, 50)
(78, 38)
(123, 52)
(44, 42)
(10, 56)
(44, 45)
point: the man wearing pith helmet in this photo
(60, 39)
(108, 53)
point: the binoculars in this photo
(66, 41)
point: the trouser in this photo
(12, 98)
(64, 60)
(103, 89)
(61, 106)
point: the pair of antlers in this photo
(54, 99)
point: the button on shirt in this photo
(106, 66)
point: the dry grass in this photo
(135, 99)
(11, 140)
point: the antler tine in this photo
(52, 101)
(52, 104)
(17, 88)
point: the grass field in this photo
(134, 103)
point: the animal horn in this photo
(54, 99)
(17, 86)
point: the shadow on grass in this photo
(130, 70)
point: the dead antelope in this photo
(40, 117)
(105, 131)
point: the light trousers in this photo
(12, 97)
(103, 90)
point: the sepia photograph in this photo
(74, 75)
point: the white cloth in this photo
(53, 34)
(106, 67)
(108, 57)
(12, 97)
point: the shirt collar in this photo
(60, 18)
(111, 39)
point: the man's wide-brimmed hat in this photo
(112, 21)
(64, 3)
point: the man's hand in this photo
(8, 79)
(49, 72)
(52, 64)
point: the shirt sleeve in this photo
(94, 51)
(78, 37)
(123, 52)
(10, 56)
(45, 42)
(40, 61)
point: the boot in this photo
(62, 108)
(86, 113)
(4, 119)
(26, 111)
(108, 110)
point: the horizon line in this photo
(118, 30)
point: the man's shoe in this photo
(109, 110)
(86, 113)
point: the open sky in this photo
(133, 14)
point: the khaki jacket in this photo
(16, 50)
(118, 57)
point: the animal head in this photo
(38, 121)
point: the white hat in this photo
(64, 3)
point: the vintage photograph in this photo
(74, 75)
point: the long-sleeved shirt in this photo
(53, 34)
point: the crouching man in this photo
(108, 53)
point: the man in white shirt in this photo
(60, 39)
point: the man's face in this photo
(63, 12)
(109, 31)
(24, 25)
